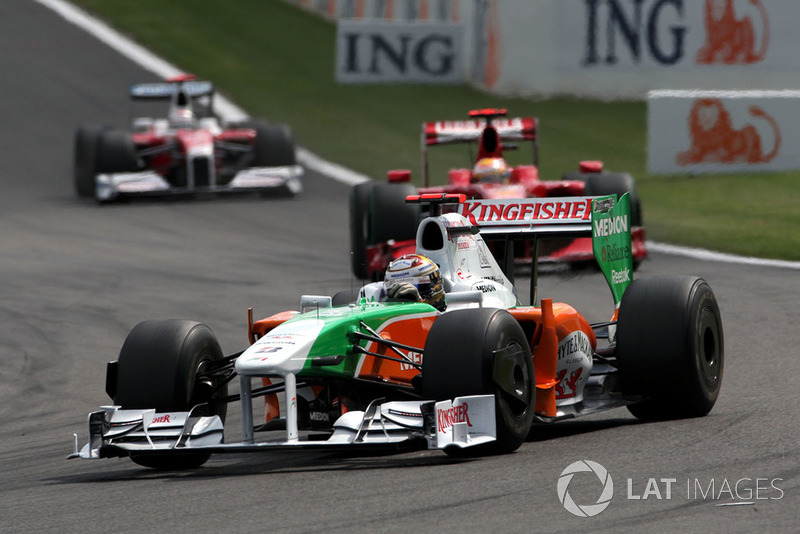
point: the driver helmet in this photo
(422, 273)
(494, 170)
(181, 117)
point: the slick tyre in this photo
(359, 228)
(379, 213)
(85, 159)
(670, 347)
(612, 183)
(116, 152)
(392, 216)
(346, 297)
(159, 367)
(274, 145)
(482, 351)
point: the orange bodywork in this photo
(546, 325)
(409, 330)
(259, 328)
(550, 324)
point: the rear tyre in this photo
(158, 367)
(84, 163)
(359, 228)
(483, 351)
(670, 347)
(392, 216)
(346, 297)
(615, 183)
(379, 213)
(612, 183)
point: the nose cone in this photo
(283, 350)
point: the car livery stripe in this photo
(407, 329)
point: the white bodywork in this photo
(463, 422)
(110, 186)
(281, 351)
(472, 278)
(464, 260)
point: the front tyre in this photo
(160, 366)
(483, 351)
(85, 159)
(116, 152)
(670, 347)
(274, 145)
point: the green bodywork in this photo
(339, 324)
(611, 242)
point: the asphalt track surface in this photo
(76, 277)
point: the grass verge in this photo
(277, 62)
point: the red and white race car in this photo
(190, 151)
(383, 227)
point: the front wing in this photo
(112, 186)
(462, 422)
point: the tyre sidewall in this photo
(459, 361)
(274, 145)
(616, 183)
(663, 335)
(359, 228)
(85, 156)
(158, 363)
(704, 379)
(391, 216)
(116, 152)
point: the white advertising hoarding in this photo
(625, 48)
(373, 51)
(608, 49)
(723, 131)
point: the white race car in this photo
(362, 371)
(190, 151)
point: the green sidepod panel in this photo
(340, 323)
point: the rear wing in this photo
(521, 217)
(166, 90)
(451, 132)
(470, 131)
(604, 219)
(564, 216)
(182, 90)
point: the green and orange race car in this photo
(469, 377)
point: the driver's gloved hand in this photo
(403, 291)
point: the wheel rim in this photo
(512, 378)
(204, 388)
(708, 346)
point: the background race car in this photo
(383, 226)
(189, 151)
(371, 371)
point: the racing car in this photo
(189, 151)
(364, 372)
(383, 226)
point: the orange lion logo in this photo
(714, 140)
(729, 40)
